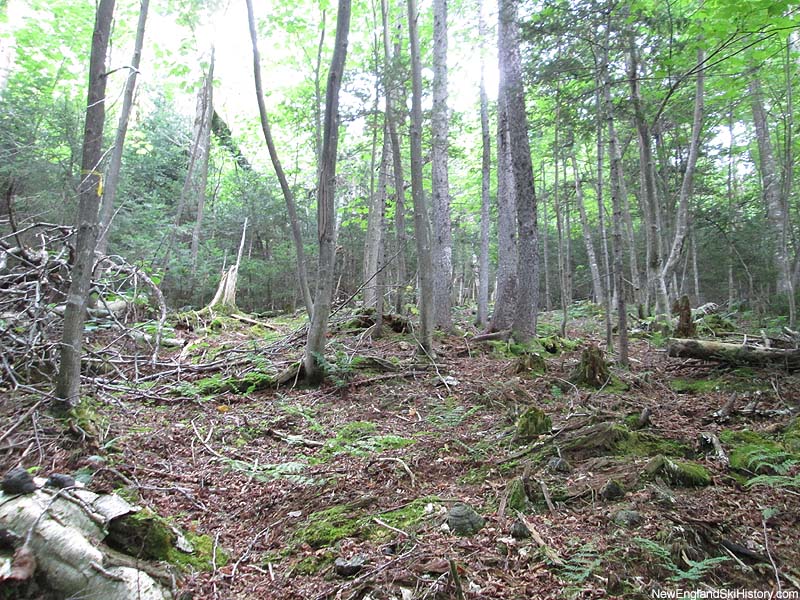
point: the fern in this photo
(778, 481)
(450, 414)
(581, 564)
(697, 569)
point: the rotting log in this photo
(735, 354)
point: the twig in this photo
(546, 494)
(398, 460)
(769, 555)
(390, 528)
(21, 420)
(456, 579)
(246, 554)
(205, 444)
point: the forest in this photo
(421, 299)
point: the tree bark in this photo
(115, 162)
(421, 222)
(594, 269)
(326, 211)
(507, 256)
(294, 222)
(682, 216)
(524, 325)
(224, 136)
(202, 124)
(69, 375)
(486, 165)
(617, 203)
(442, 228)
(647, 166)
(776, 210)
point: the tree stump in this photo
(686, 327)
(593, 370)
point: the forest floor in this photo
(286, 480)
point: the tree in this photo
(524, 325)
(442, 227)
(89, 193)
(115, 162)
(291, 209)
(421, 227)
(486, 165)
(326, 215)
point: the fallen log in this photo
(735, 354)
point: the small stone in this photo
(612, 490)
(18, 481)
(557, 464)
(60, 481)
(463, 520)
(348, 568)
(520, 531)
(627, 518)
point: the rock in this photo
(556, 464)
(463, 520)
(612, 490)
(520, 531)
(532, 423)
(18, 481)
(60, 481)
(348, 568)
(627, 518)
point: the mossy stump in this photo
(592, 371)
(516, 497)
(529, 364)
(678, 473)
(531, 424)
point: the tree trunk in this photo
(546, 244)
(597, 283)
(776, 210)
(616, 159)
(486, 165)
(89, 192)
(682, 216)
(115, 162)
(225, 296)
(397, 165)
(442, 228)
(524, 325)
(421, 222)
(650, 192)
(734, 354)
(601, 209)
(326, 211)
(302, 277)
(507, 256)
(202, 124)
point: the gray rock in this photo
(627, 518)
(520, 531)
(612, 490)
(18, 481)
(60, 481)
(463, 520)
(348, 568)
(558, 465)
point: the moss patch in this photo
(695, 386)
(357, 438)
(752, 452)
(202, 558)
(326, 527)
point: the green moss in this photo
(516, 497)
(406, 518)
(531, 424)
(326, 527)
(695, 386)
(85, 420)
(313, 563)
(679, 473)
(203, 557)
(142, 534)
(356, 438)
(641, 443)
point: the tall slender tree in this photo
(442, 227)
(326, 212)
(89, 194)
(421, 220)
(486, 166)
(291, 208)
